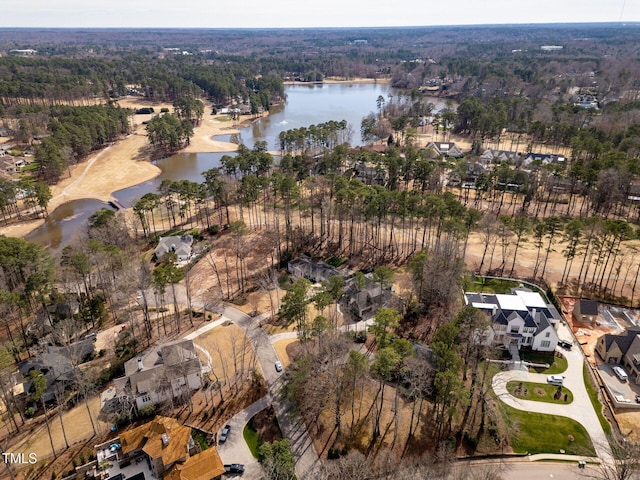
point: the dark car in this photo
(224, 434)
(234, 468)
(565, 344)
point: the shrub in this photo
(29, 412)
(122, 419)
(146, 412)
(333, 453)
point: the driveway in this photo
(293, 428)
(579, 410)
(235, 449)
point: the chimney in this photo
(165, 440)
(140, 365)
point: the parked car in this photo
(621, 374)
(637, 398)
(555, 379)
(224, 434)
(234, 468)
(278, 366)
(565, 344)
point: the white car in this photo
(278, 366)
(555, 379)
(621, 374)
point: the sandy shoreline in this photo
(124, 164)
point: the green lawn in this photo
(538, 433)
(595, 401)
(538, 392)
(490, 285)
(252, 439)
(493, 285)
(557, 364)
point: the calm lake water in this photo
(306, 105)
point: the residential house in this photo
(159, 449)
(623, 349)
(180, 245)
(445, 149)
(521, 318)
(317, 272)
(58, 366)
(586, 311)
(163, 373)
(491, 155)
(364, 301)
(370, 175)
(543, 159)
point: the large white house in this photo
(520, 318)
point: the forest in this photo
(396, 207)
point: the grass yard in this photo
(595, 401)
(494, 285)
(537, 433)
(262, 428)
(490, 285)
(252, 438)
(539, 392)
(557, 364)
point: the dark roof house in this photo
(304, 267)
(622, 349)
(58, 365)
(585, 311)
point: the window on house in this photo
(514, 330)
(146, 398)
(545, 343)
(547, 335)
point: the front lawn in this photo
(534, 433)
(539, 392)
(557, 364)
(252, 438)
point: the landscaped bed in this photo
(534, 433)
(539, 392)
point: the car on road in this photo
(234, 468)
(224, 434)
(621, 374)
(278, 366)
(565, 344)
(555, 379)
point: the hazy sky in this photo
(325, 13)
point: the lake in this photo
(305, 105)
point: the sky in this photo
(298, 14)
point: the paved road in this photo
(294, 429)
(579, 410)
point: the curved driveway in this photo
(294, 429)
(581, 410)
